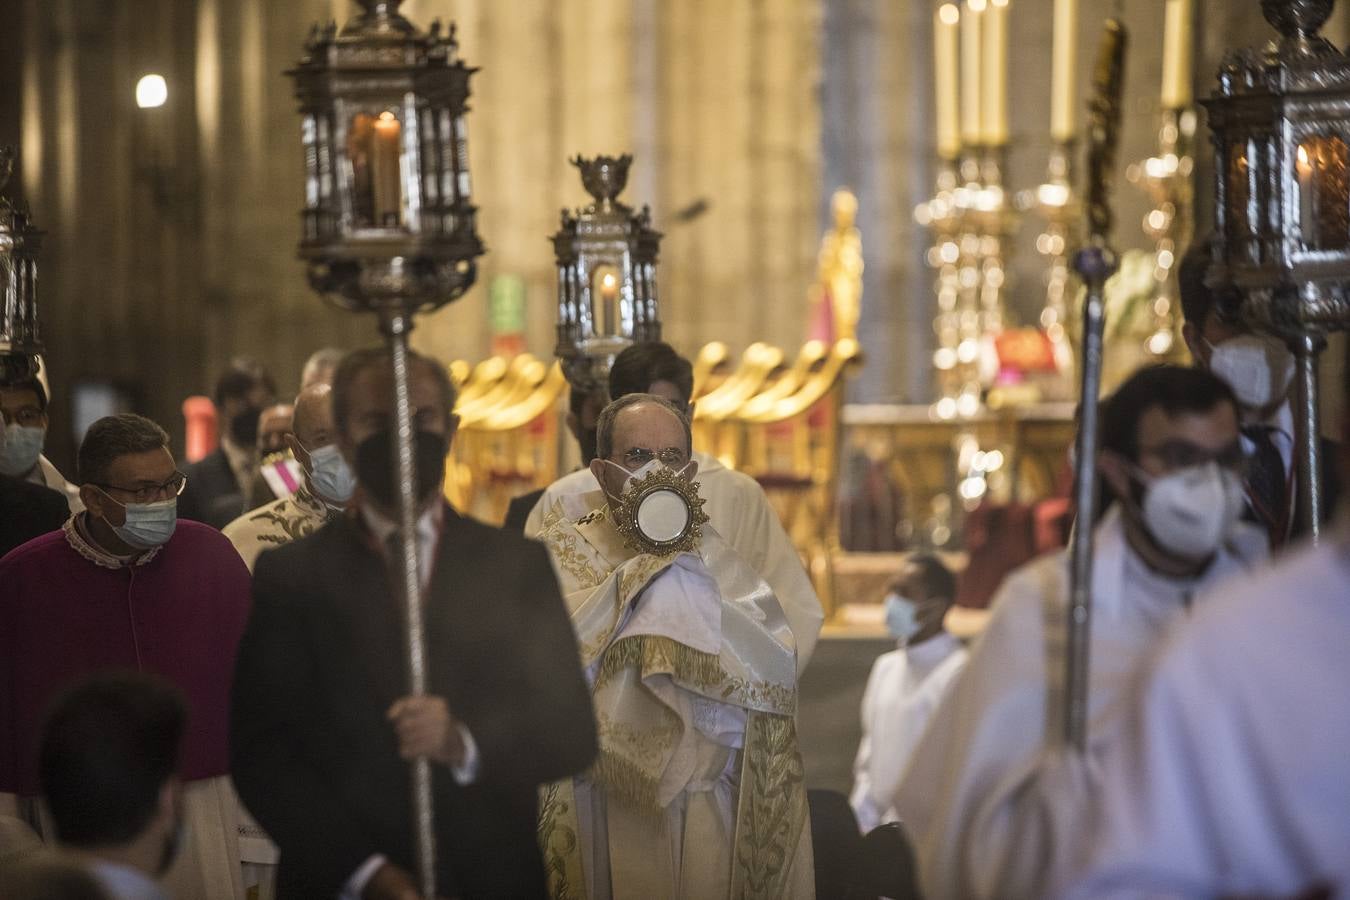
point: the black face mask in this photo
(375, 466)
(244, 426)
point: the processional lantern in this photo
(388, 227)
(20, 243)
(389, 218)
(606, 255)
(1280, 123)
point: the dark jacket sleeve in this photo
(275, 680)
(546, 729)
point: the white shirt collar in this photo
(932, 651)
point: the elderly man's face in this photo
(643, 432)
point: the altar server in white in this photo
(906, 684)
(1170, 461)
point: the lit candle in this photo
(1177, 50)
(386, 179)
(970, 72)
(945, 55)
(609, 302)
(1307, 197)
(1064, 75)
(994, 68)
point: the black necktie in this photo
(1266, 482)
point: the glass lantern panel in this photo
(606, 286)
(374, 147)
(1241, 214)
(1322, 170)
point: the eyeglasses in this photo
(28, 416)
(636, 457)
(1183, 454)
(150, 493)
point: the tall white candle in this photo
(970, 72)
(994, 92)
(1063, 72)
(1178, 49)
(945, 25)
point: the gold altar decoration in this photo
(507, 443)
(838, 289)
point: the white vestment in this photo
(902, 693)
(975, 769)
(1232, 777)
(740, 511)
(698, 791)
(276, 523)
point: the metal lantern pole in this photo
(1095, 263)
(20, 242)
(389, 228)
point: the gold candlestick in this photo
(1170, 223)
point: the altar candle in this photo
(945, 55)
(1063, 71)
(609, 303)
(970, 72)
(994, 68)
(1177, 51)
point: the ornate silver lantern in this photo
(20, 242)
(388, 214)
(1280, 123)
(606, 256)
(389, 228)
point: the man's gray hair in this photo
(112, 437)
(604, 427)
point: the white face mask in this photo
(330, 476)
(20, 447)
(1257, 367)
(1191, 511)
(902, 617)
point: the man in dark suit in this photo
(321, 726)
(28, 510)
(219, 484)
(1260, 371)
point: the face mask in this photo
(330, 476)
(1259, 369)
(148, 524)
(20, 449)
(244, 426)
(1189, 512)
(375, 466)
(902, 617)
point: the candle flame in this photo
(976, 6)
(1302, 155)
(949, 14)
(999, 3)
(608, 280)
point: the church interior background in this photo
(172, 229)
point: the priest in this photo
(698, 791)
(124, 585)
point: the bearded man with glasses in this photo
(125, 585)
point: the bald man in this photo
(327, 482)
